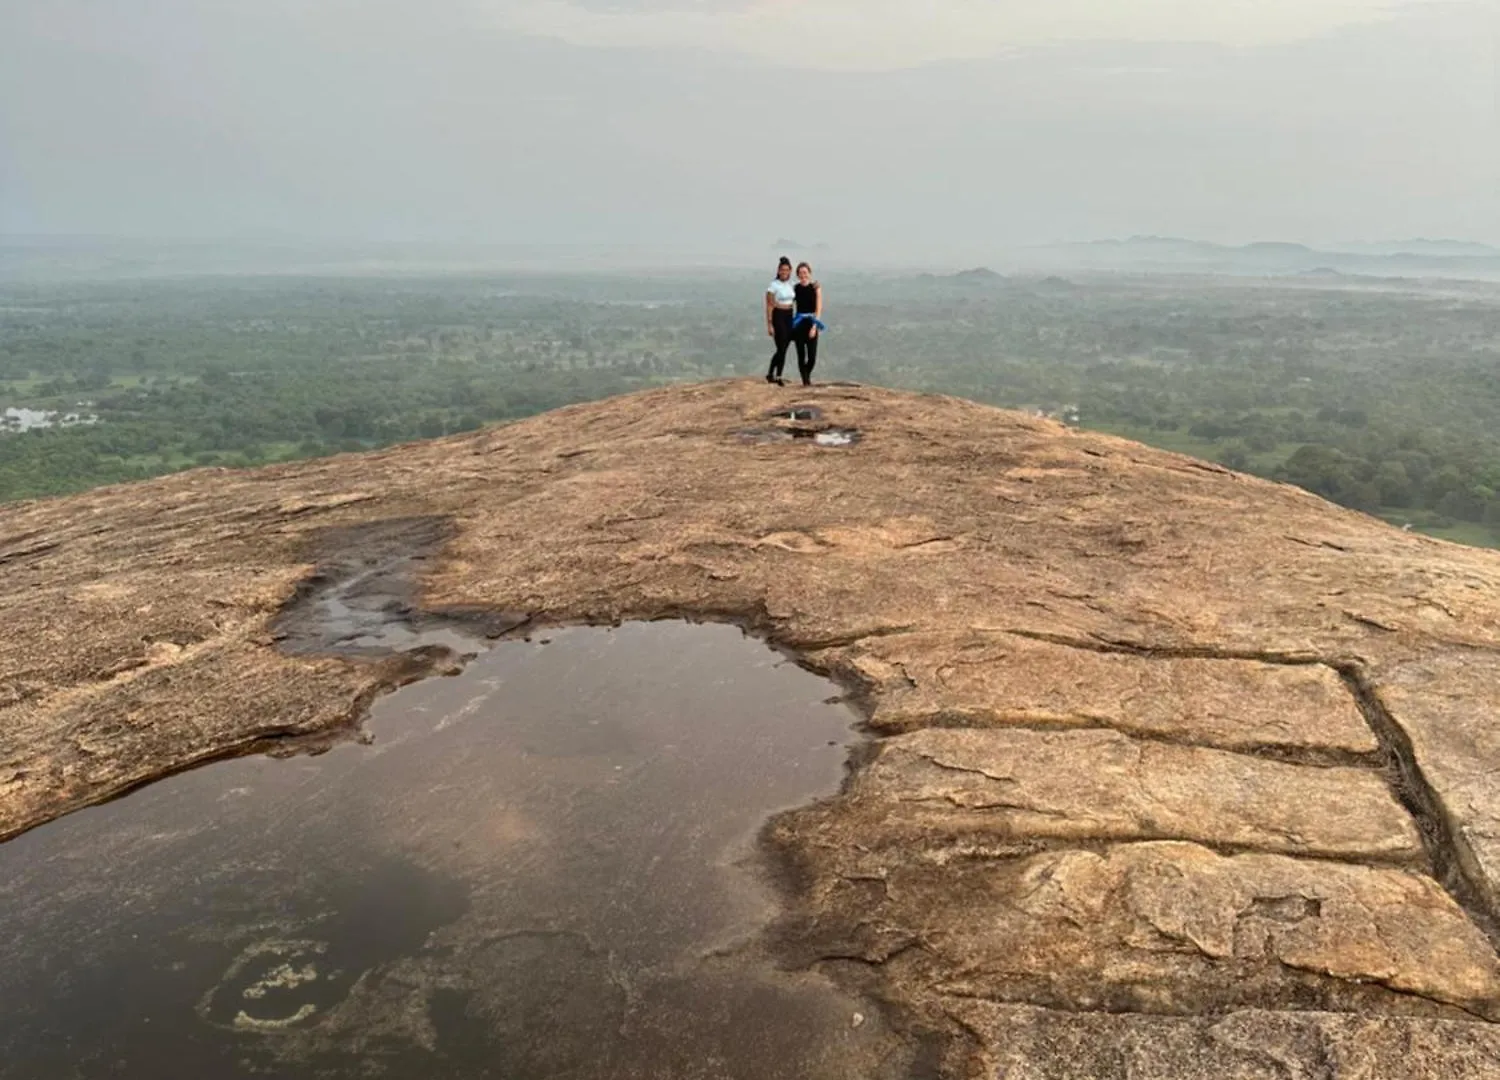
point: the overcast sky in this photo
(944, 129)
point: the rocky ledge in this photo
(1173, 773)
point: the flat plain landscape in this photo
(1379, 394)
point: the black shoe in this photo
(770, 378)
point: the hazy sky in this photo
(935, 128)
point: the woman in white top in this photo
(781, 300)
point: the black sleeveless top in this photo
(807, 298)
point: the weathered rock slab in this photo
(1104, 786)
(996, 679)
(1240, 664)
(1162, 928)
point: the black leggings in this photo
(781, 327)
(807, 350)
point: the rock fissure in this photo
(980, 805)
(841, 641)
(1453, 861)
(1329, 544)
(18, 554)
(1370, 621)
(1005, 847)
(1169, 652)
(878, 960)
(917, 545)
(1051, 1003)
(997, 777)
(1313, 757)
(1480, 1014)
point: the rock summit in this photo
(1171, 773)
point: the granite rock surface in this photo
(1173, 772)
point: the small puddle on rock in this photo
(826, 437)
(796, 412)
(538, 869)
(836, 437)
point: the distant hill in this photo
(979, 275)
(1168, 254)
(1421, 246)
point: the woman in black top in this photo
(807, 321)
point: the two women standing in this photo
(794, 315)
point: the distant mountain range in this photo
(1420, 246)
(979, 275)
(63, 258)
(1168, 254)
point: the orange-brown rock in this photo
(1101, 785)
(977, 679)
(1177, 773)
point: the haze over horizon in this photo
(939, 132)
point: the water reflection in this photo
(529, 873)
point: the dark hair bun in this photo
(784, 261)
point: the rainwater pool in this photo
(542, 867)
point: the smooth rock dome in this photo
(1174, 773)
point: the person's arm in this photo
(819, 313)
(770, 326)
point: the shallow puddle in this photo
(796, 412)
(825, 437)
(537, 869)
(836, 437)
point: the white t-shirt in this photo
(783, 293)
